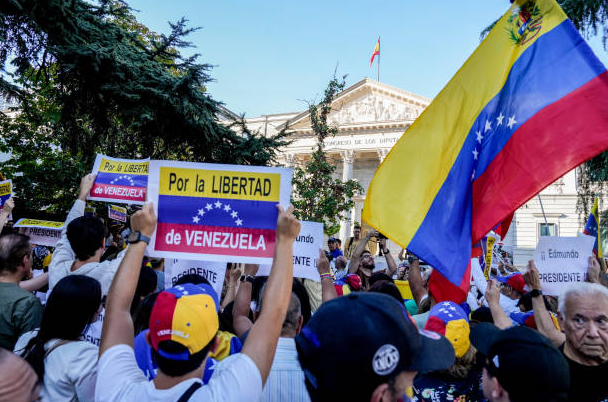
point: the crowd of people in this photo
(351, 336)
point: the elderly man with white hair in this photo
(583, 318)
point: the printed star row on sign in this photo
(218, 205)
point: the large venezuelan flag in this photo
(592, 228)
(528, 106)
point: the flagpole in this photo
(543, 211)
(378, 59)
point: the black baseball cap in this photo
(356, 342)
(524, 362)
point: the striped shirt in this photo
(286, 379)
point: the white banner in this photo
(305, 252)
(562, 260)
(43, 233)
(213, 271)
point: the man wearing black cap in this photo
(375, 359)
(520, 365)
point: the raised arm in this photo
(242, 303)
(261, 343)
(32, 285)
(117, 323)
(6, 211)
(415, 281)
(543, 320)
(401, 255)
(493, 298)
(390, 261)
(328, 290)
(353, 266)
(233, 283)
(594, 272)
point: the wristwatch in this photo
(247, 278)
(386, 251)
(135, 237)
(536, 293)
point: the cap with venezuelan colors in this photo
(186, 314)
(449, 319)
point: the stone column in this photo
(382, 152)
(348, 157)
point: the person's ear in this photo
(299, 326)
(215, 345)
(378, 394)
(498, 393)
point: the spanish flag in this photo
(376, 52)
(592, 228)
(526, 107)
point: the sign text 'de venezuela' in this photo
(216, 212)
(120, 180)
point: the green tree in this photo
(589, 17)
(318, 196)
(107, 85)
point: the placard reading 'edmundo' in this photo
(562, 260)
(216, 212)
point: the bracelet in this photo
(323, 276)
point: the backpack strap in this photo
(193, 388)
(55, 346)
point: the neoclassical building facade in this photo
(371, 117)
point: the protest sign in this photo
(43, 233)
(117, 213)
(215, 212)
(213, 271)
(6, 191)
(562, 260)
(305, 252)
(120, 180)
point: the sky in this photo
(272, 56)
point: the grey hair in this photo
(292, 317)
(579, 289)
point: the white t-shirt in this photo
(70, 370)
(120, 379)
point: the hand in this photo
(86, 184)
(236, 273)
(322, 263)
(372, 233)
(251, 269)
(492, 293)
(532, 277)
(593, 271)
(144, 220)
(382, 243)
(8, 206)
(288, 226)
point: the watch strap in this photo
(247, 278)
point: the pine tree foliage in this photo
(112, 86)
(318, 196)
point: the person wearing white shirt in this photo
(63, 361)
(507, 303)
(81, 245)
(183, 328)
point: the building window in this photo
(547, 229)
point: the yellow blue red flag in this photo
(526, 107)
(592, 228)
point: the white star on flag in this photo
(227, 209)
(511, 122)
(475, 153)
(499, 119)
(452, 308)
(446, 304)
(479, 136)
(488, 126)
